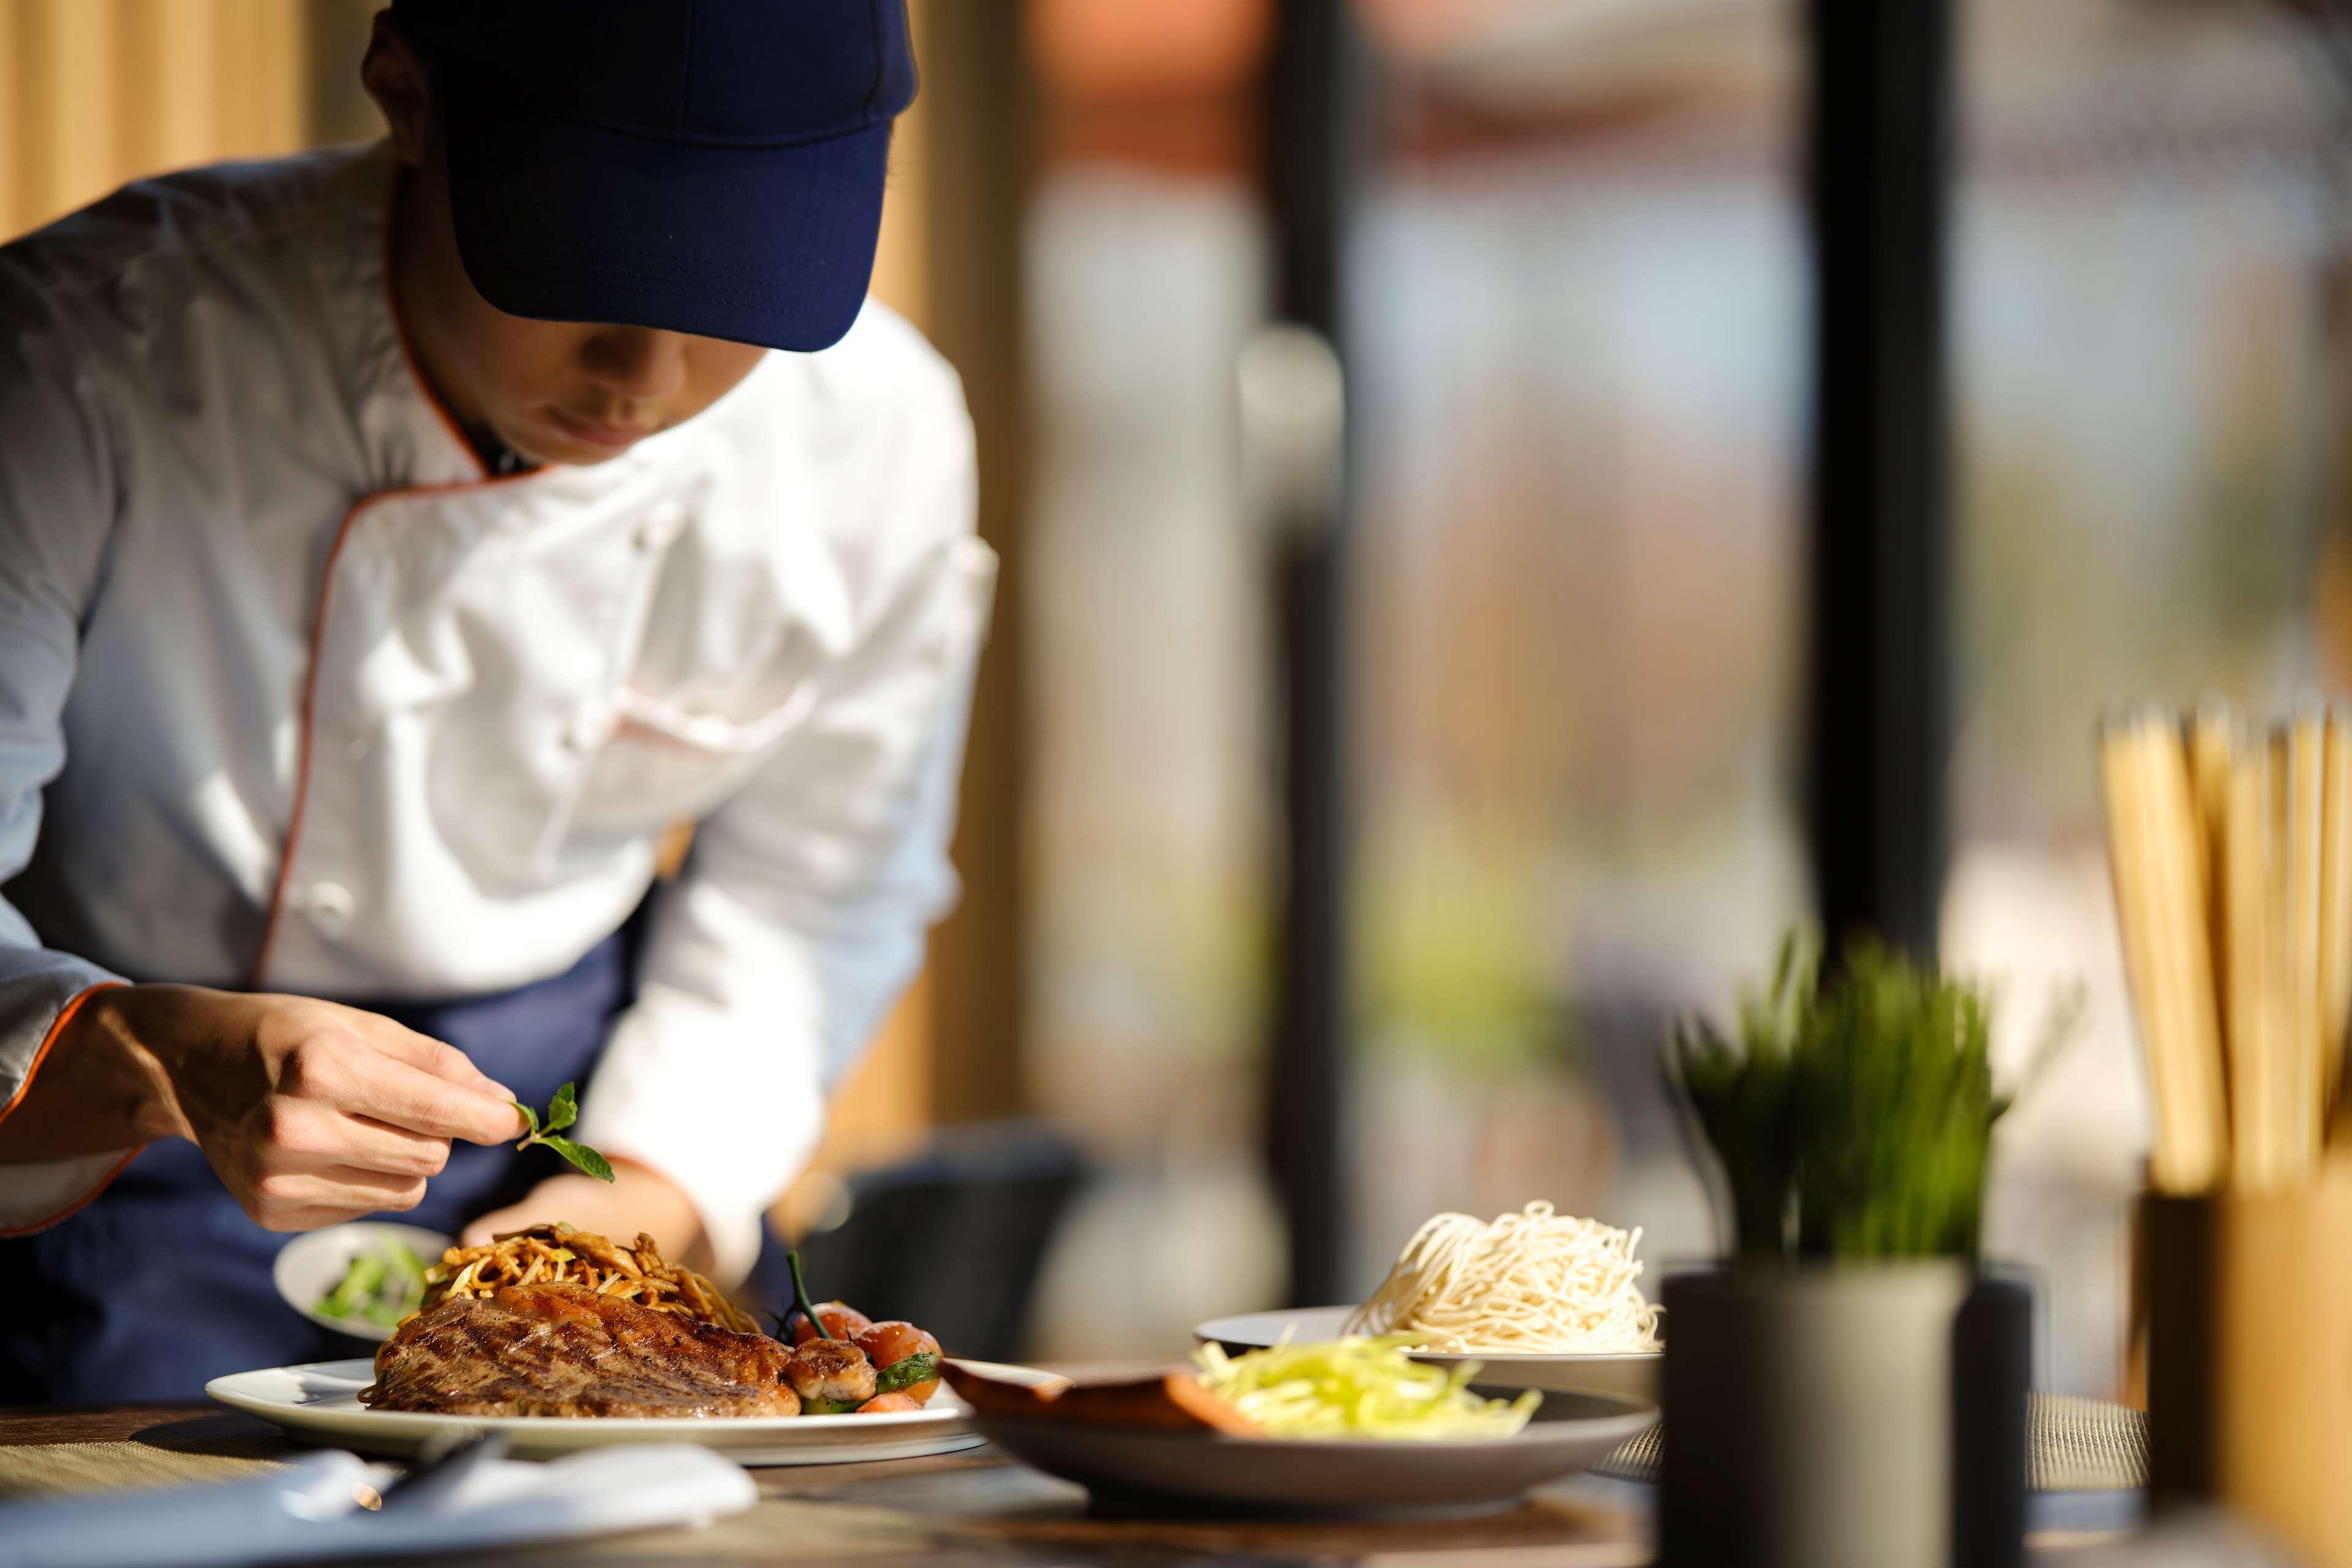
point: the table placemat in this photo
(2072, 1445)
(51, 1469)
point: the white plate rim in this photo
(294, 1256)
(1350, 1476)
(947, 1419)
(1223, 1331)
(1635, 1418)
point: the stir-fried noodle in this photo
(557, 1255)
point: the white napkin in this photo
(312, 1509)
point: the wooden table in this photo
(980, 1508)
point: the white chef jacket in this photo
(294, 696)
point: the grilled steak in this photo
(563, 1351)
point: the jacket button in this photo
(330, 905)
(660, 525)
(587, 729)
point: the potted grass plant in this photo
(1810, 1382)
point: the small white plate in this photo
(319, 1403)
(1632, 1375)
(313, 1264)
(1571, 1433)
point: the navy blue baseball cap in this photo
(706, 166)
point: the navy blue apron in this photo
(162, 1282)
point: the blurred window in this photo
(1147, 818)
(1578, 324)
(2146, 228)
(1580, 394)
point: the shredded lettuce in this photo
(1359, 1387)
(380, 1285)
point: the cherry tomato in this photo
(886, 1343)
(881, 1402)
(841, 1322)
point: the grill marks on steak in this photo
(563, 1351)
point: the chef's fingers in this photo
(313, 1135)
(344, 1192)
(437, 1057)
(374, 1145)
(395, 1092)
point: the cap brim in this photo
(567, 222)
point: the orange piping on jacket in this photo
(481, 481)
(57, 1028)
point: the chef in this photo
(396, 544)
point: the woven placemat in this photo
(2071, 1446)
(54, 1469)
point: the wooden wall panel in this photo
(261, 102)
(978, 142)
(69, 77)
(169, 54)
(94, 93)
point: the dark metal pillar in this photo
(979, 146)
(1878, 167)
(1312, 118)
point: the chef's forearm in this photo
(97, 1086)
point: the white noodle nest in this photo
(1531, 1283)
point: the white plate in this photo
(313, 1264)
(1572, 1432)
(1632, 1375)
(319, 1403)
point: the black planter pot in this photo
(1992, 1367)
(1824, 1416)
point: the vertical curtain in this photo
(96, 92)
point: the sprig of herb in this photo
(1895, 1107)
(1741, 1099)
(1865, 1101)
(801, 1295)
(562, 1112)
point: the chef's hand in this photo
(640, 1198)
(310, 1113)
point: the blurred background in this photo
(1564, 585)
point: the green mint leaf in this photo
(826, 1408)
(906, 1372)
(581, 1155)
(527, 1115)
(564, 1110)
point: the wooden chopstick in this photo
(2304, 737)
(2336, 906)
(2255, 886)
(2211, 740)
(2161, 898)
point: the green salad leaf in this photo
(380, 1286)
